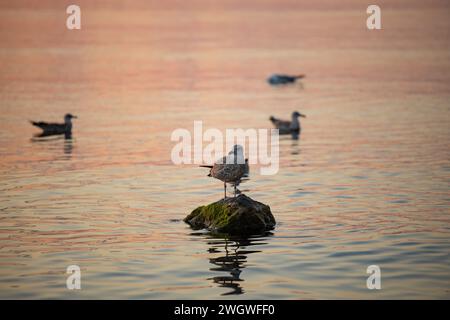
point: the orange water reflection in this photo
(367, 183)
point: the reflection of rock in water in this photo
(231, 260)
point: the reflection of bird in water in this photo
(233, 262)
(278, 79)
(229, 169)
(49, 129)
(68, 146)
(289, 127)
(295, 150)
(53, 142)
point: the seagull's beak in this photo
(302, 115)
(75, 117)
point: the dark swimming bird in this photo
(288, 127)
(49, 129)
(229, 169)
(277, 79)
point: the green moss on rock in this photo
(240, 215)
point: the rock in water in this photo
(240, 215)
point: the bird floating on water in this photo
(277, 79)
(229, 169)
(288, 127)
(49, 129)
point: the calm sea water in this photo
(367, 183)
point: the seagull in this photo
(288, 127)
(229, 169)
(277, 79)
(56, 128)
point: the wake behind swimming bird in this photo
(49, 129)
(229, 169)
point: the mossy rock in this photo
(240, 215)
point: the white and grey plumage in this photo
(244, 178)
(288, 127)
(55, 128)
(229, 169)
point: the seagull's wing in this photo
(40, 124)
(53, 128)
(280, 124)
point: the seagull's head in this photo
(237, 150)
(297, 114)
(236, 155)
(69, 117)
